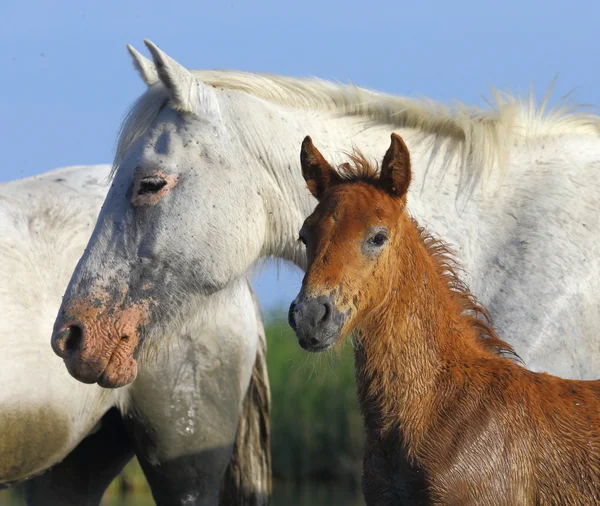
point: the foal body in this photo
(451, 418)
(464, 425)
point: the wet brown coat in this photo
(451, 417)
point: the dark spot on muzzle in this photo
(316, 322)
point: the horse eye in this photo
(151, 184)
(302, 239)
(377, 240)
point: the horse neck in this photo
(412, 345)
(272, 135)
(275, 146)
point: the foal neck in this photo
(420, 341)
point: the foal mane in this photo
(360, 169)
(476, 315)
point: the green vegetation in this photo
(317, 432)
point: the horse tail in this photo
(247, 480)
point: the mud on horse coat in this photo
(451, 415)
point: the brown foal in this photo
(451, 415)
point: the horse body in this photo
(180, 417)
(44, 414)
(529, 248)
(451, 418)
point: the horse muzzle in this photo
(97, 342)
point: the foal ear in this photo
(317, 172)
(395, 169)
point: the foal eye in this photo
(151, 184)
(377, 240)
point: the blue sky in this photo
(67, 79)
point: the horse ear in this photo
(144, 66)
(395, 169)
(187, 93)
(317, 172)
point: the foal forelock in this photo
(476, 138)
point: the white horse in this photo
(180, 416)
(207, 181)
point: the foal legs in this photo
(83, 476)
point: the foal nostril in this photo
(322, 312)
(327, 311)
(314, 341)
(312, 312)
(68, 340)
(291, 319)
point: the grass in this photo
(317, 432)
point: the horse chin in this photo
(118, 373)
(82, 373)
(120, 370)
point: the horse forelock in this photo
(138, 120)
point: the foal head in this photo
(351, 241)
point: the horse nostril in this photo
(73, 338)
(68, 340)
(314, 341)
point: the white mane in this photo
(482, 136)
